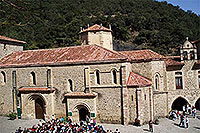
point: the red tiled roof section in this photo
(142, 55)
(67, 55)
(170, 62)
(137, 80)
(80, 94)
(35, 89)
(10, 39)
(96, 27)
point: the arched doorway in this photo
(83, 112)
(197, 104)
(179, 103)
(39, 108)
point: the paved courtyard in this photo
(165, 126)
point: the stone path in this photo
(165, 126)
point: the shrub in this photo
(12, 116)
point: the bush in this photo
(12, 116)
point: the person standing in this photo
(187, 122)
(194, 111)
(150, 126)
(184, 110)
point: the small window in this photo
(185, 55)
(33, 78)
(70, 85)
(97, 77)
(178, 80)
(114, 73)
(156, 82)
(4, 46)
(179, 84)
(3, 75)
(131, 97)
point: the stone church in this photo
(94, 80)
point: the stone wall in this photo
(6, 48)
(160, 104)
(109, 105)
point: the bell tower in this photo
(188, 51)
(97, 34)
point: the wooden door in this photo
(39, 109)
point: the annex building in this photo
(93, 79)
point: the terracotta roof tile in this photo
(137, 80)
(170, 62)
(10, 39)
(35, 89)
(80, 94)
(67, 55)
(142, 55)
(96, 27)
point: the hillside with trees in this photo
(136, 24)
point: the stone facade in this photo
(100, 88)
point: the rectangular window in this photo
(179, 82)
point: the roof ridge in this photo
(141, 76)
(113, 51)
(11, 39)
(51, 48)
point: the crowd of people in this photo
(66, 126)
(188, 110)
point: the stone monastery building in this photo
(93, 79)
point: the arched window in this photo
(70, 84)
(114, 74)
(3, 75)
(185, 55)
(97, 77)
(156, 82)
(33, 78)
(192, 56)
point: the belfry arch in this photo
(179, 103)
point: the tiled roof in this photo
(138, 55)
(31, 89)
(60, 56)
(10, 39)
(170, 62)
(137, 80)
(96, 27)
(80, 94)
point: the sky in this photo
(193, 5)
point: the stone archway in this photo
(179, 103)
(83, 112)
(197, 104)
(38, 105)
